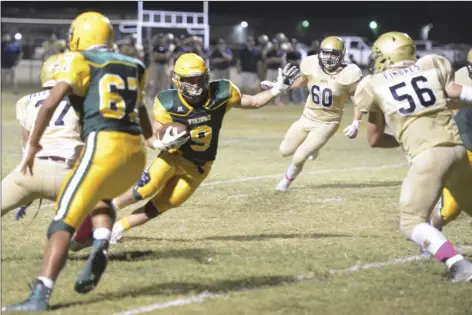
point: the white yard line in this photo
(200, 298)
(327, 171)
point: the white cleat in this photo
(116, 237)
(282, 185)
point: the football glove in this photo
(21, 211)
(286, 77)
(352, 129)
(171, 139)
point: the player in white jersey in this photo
(61, 146)
(331, 83)
(411, 95)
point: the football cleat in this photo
(38, 300)
(461, 271)
(283, 185)
(94, 268)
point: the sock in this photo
(102, 234)
(292, 172)
(47, 282)
(122, 225)
(114, 206)
(84, 231)
(435, 243)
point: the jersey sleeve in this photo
(22, 112)
(305, 65)
(364, 96)
(74, 69)
(354, 75)
(161, 115)
(234, 96)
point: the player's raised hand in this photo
(352, 130)
(267, 85)
(28, 157)
(286, 77)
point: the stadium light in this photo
(244, 24)
(373, 25)
(18, 36)
(305, 24)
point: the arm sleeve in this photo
(234, 96)
(364, 97)
(161, 115)
(74, 69)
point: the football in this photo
(179, 126)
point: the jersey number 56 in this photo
(423, 96)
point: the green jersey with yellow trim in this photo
(203, 122)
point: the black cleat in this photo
(94, 268)
(38, 300)
(461, 271)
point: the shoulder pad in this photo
(167, 98)
(220, 92)
(350, 74)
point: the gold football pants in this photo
(109, 164)
(170, 180)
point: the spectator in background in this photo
(293, 57)
(196, 46)
(53, 46)
(220, 61)
(263, 46)
(298, 47)
(274, 60)
(248, 67)
(314, 48)
(128, 47)
(11, 56)
(158, 71)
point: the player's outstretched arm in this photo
(462, 92)
(285, 79)
(376, 132)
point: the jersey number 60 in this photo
(326, 96)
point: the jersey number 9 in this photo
(112, 104)
(201, 137)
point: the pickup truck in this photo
(358, 50)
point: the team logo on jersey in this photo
(199, 120)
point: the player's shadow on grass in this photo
(197, 254)
(181, 288)
(352, 185)
(240, 238)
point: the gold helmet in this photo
(390, 48)
(49, 67)
(191, 76)
(90, 30)
(469, 63)
(331, 56)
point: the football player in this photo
(61, 145)
(201, 105)
(331, 82)
(105, 88)
(447, 209)
(411, 95)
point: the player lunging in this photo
(447, 209)
(411, 95)
(105, 88)
(200, 105)
(330, 82)
(61, 145)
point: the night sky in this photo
(452, 20)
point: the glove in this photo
(171, 139)
(267, 85)
(21, 211)
(352, 129)
(286, 77)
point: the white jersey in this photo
(62, 137)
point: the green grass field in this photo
(253, 250)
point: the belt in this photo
(53, 158)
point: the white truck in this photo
(358, 50)
(456, 53)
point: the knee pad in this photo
(150, 211)
(58, 226)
